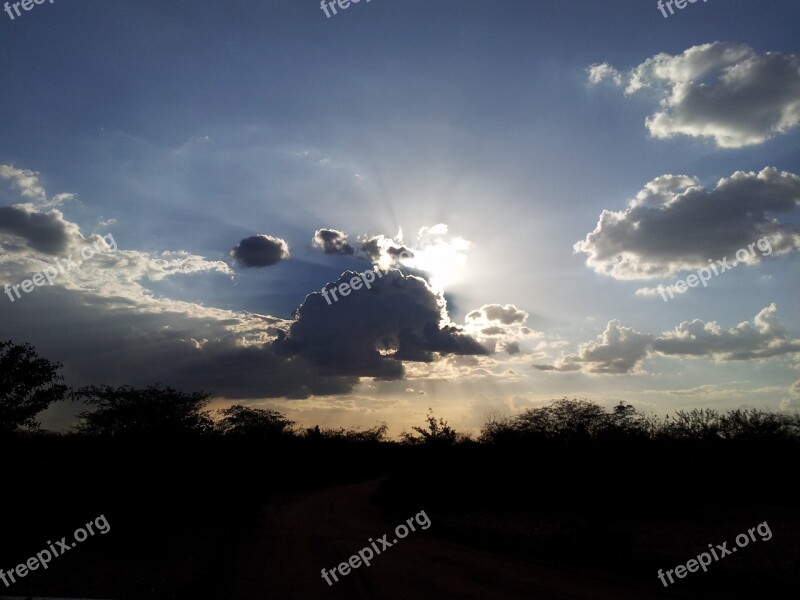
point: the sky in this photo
(530, 180)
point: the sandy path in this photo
(323, 529)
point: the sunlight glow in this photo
(444, 259)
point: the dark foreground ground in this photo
(238, 520)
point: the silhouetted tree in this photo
(624, 422)
(563, 419)
(150, 411)
(254, 423)
(437, 433)
(28, 385)
(695, 424)
(569, 420)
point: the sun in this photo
(444, 260)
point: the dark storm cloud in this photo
(324, 350)
(376, 247)
(45, 232)
(332, 241)
(260, 251)
(191, 351)
(371, 331)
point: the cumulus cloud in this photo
(618, 350)
(765, 337)
(506, 315)
(332, 241)
(726, 92)
(260, 251)
(371, 331)
(434, 254)
(384, 251)
(154, 338)
(380, 250)
(324, 351)
(674, 224)
(621, 350)
(500, 327)
(25, 227)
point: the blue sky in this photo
(195, 125)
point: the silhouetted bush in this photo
(438, 433)
(580, 421)
(371, 435)
(150, 411)
(254, 423)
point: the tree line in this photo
(29, 384)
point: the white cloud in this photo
(621, 350)
(602, 71)
(497, 313)
(26, 182)
(792, 403)
(726, 92)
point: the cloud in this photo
(763, 338)
(792, 403)
(332, 241)
(620, 350)
(438, 258)
(498, 313)
(132, 336)
(380, 250)
(45, 232)
(384, 251)
(676, 225)
(602, 71)
(499, 327)
(662, 291)
(457, 369)
(260, 251)
(24, 181)
(726, 92)
(371, 331)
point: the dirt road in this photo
(322, 529)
